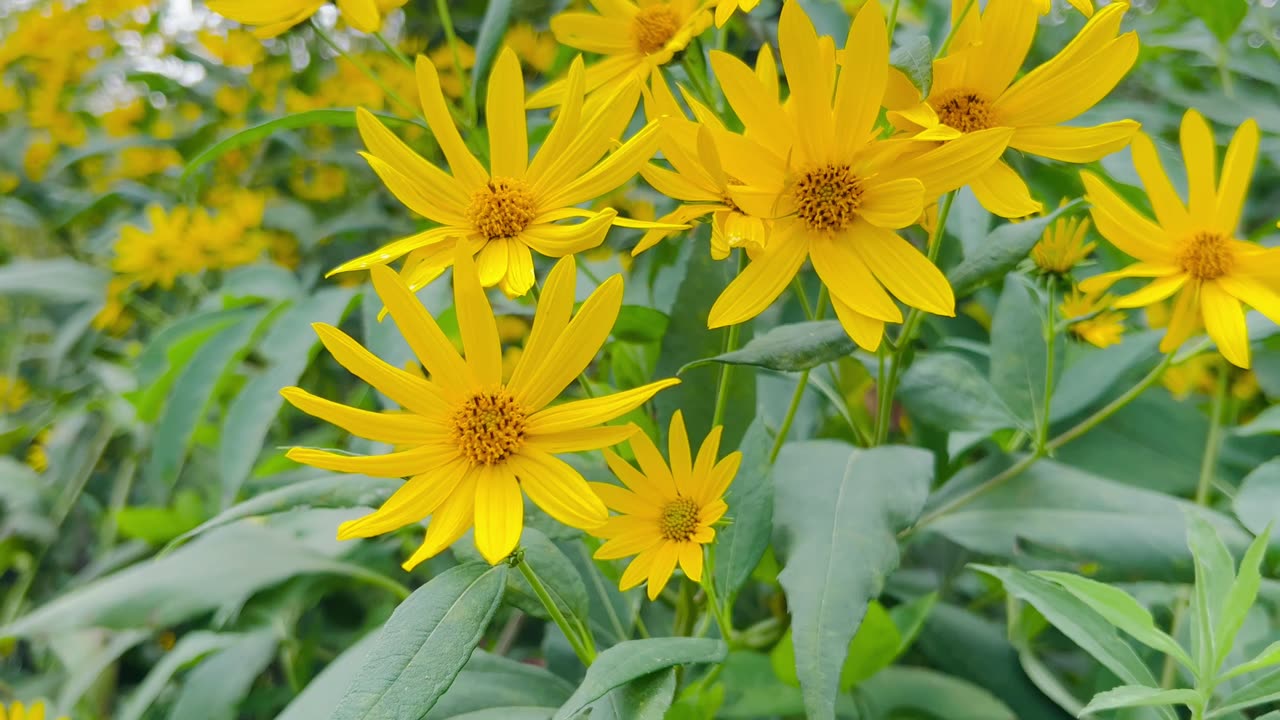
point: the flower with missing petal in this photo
(516, 205)
(471, 445)
(1191, 249)
(974, 89)
(1089, 318)
(635, 38)
(667, 511)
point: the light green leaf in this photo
(1257, 503)
(1267, 421)
(1215, 573)
(493, 681)
(1264, 689)
(914, 57)
(189, 648)
(646, 698)
(509, 713)
(741, 544)
(424, 644)
(640, 324)
(873, 648)
(1269, 656)
(1121, 610)
(55, 280)
(497, 15)
(910, 618)
(840, 510)
(214, 689)
(911, 692)
(1127, 696)
(1240, 597)
(1221, 16)
(789, 348)
(1019, 352)
(633, 659)
(1000, 252)
(943, 390)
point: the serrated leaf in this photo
(789, 348)
(632, 659)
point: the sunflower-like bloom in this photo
(835, 192)
(470, 443)
(667, 511)
(1191, 249)
(275, 16)
(17, 711)
(636, 39)
(974, 89)
(1063, 246)
(1089, 318)
(515, 206)
(699, 178)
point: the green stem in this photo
(730, 344)
(955, 23)
(451, 36)
(580, 648)
(1213, 443)
(1030, 459)
(394, 50)
(790, 417)
(722, 615)
(320, 33)
(1042, 432)
(893, 20)
(798, 287)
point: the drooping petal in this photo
(1002, 192)
(1224, 321)
(762, 281)
(499, 513)
(476, 323)
(553, 485)
(413, 393)
(691, 560)
(638, 570)
(625, 545)
(1237, 171)
(1200, 154)
(1123, 226)
(449, 522)
(562, 240)
(904, 270)
(406, 463)
(520, 276)
(1074, 144)
(420, 496)
(504, 108)
(462, 163)
(592, 411)
(434, 350)
(392, 428)
(1261, 296)
(1154, 292)
(1168, 207)
(849, 279)
(1183, 319)
(866, 331)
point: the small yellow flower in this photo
(1090, 319)
(123, 120)
(14, 394)
(158, 256)
(1191, 250)
(8, 182)
(114, 318)
(37, 157)
(17, 711)
(37, 456)
(231, 100)
(316, 182)
(667, 510)
(1063, 246)
(537, 50)
(469, 435)
(636, 39)
(235, 48)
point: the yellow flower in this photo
(835, 193)
(283, 249)
(469, 435)
(123, 120)
(231, 100)
(157, 257)
(514, 207)
(1191, 249)
(37, 157)
(233, 49)
(113, 318)
(275, 16)
(17, 711)
(37, 456)
(1090, 319)
(974, 89)
(725, 9)
(8, 182)
(1063, 246)
(316, 182)
(636, 38)
(447, 69)
(536, 49)
(1195, 374)
(1084, 6)
(667, 511)
(14, 394)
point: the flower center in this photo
(1206, 256)
(828, 198)
(964, 110)
(503, 208)
(653, 27)
(679, 519)
(489, 427)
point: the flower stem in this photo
(581, 647)
(893, 20)
(730, 344)
(804, 377)
(395, 51)
(320, 33)
(722, 615)
(955, 23)
(1042, 431)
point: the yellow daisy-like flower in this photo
(726, 8)
(1191, 249)
(18, 711)
(515, 206)
(835, 192)
(471, 442)
(157, 257)
(699, 178)
(1063, 246)
(275, 16)
(636, 39)
(974, 89)
(1091, 320)
(667, 511)
(14, 394)
(235, 48)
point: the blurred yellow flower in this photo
(231, 100)
(160, 255)
(502, 213)
(635, 38)
(1090, 319)
(1063, 246)
(37, 157)
(8, 182)
(114, 318)
(1084, 6)
(317, 182)
(14, 393)
(536, 49)
(17, 711)
(275, 16)
(123, 121)
(667, 510)
(234, 48)
(468, 434)
(1191, 249)
(37, 456)
(283, 249)
(974, 89)
(442, 59)
(141, 161)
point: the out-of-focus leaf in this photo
(191, 647)
(1257, 503)
(324, 691)
(497, 16)
(492, 681)
(1221, 16)
(1267, 421)
(634, 659)
(943, 390)
(899, 689)
(1263, 689)
(1019, 353)
(216, 686)
(1127, 696)
(798, 346)
(640, 324)
(161, 524)
(57, 280)
(741, 544)
(1002, 250)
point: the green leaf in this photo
(613, 613)
(55, 280)
(1096, 374)
(1215, 574)
(189, 399)
(497, 15)
(493, 681)
(189, 648)
(325, 690)
(307, 118)
(1240, 597)
(1222, 17)
(633, 659)
(158, 525)
(840, 510)
(508, 713)
(1257, 503)
(640, 324)
(1267, 421)
(917, 692)
(263, 281)
(910, 618)
(1264, 689)
(1121, 610)
(424, 644)
(1269, 656)
(872, 649)
(789, 348)
(914, 57)
(1127, 696)
(646, 698)
(1000, 252)
(1019, 352)
(214, 689)
(944, 391)
(287, 348)
(740, 545)
(555, 570)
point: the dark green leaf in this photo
(1127, 696)
(633, 659)
(1221, 16)
(1257, 504)
(905, 689)
(493, 681)
(794, 347)
(645, 698)
(1019, 352)
(943, 390)
(741, 544)
(192, 646)
(424, 644)
(1267, 421)
(640, 324)
(555, 570)
(1002, 250)
(1097, 373)
(840, 510)
(216, 686)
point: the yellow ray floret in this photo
(470, 444)
(667, 510)
(273, 17)
(517, 205)
(1190, 251)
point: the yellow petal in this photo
(691, 560)
(434, 350)
(681, 458)
(1183, 319)
(682, 214)
(1067, 90)
(476, 322)
(900, 93)
(705, 464)
(718, 480)
(1168, 207)
(1002, 192)
(1074, 144)
(397, 248)
(614, 170)
(892, 204)
(414, 461)
(574, 349)
(504, 108)
(677, 186)
(1237, 171)
(361, 14)
(583, 439)
(1123, 226)
(420, 496)
(1260, 295)
(624, 501)
(462, 163)
(862, 79)
(1200, 153)
(762, 281)
(603, 122)
(593, 411)
(904, 270)
(491, 262)
(1007, 30)
(413, 393)
(810, 94)
(638, 570)
(1099, 283)
(760, 112)
(1154, 292)
(449, 522)
(563, 240)
(558, 489)
(565, 129)
(593, 33)
(1224, 321)
(499, 513)
(625, 545)
(849, 279)
(954, 163)
(417, 198)
(426, 264)
(549, 321)
(866, 331)
(391, 428)
(655, 484)
(664, 563)
(432, 187)
(520, 276)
